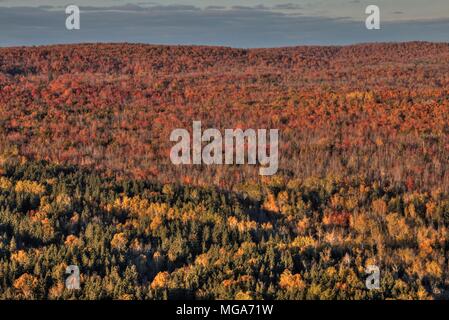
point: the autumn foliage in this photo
(380, 110)
(86, 179)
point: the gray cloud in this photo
(141, 8)
(215, 8)
(182, 24)
(287, 6)
(256, 8)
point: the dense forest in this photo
(135, 239)
(380, 110)
(86, 179)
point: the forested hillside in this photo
(276, 240)
(379, 110)
(86, 178)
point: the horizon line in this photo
(222, 46)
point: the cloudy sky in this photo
(244, 23)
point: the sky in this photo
(243, 24)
